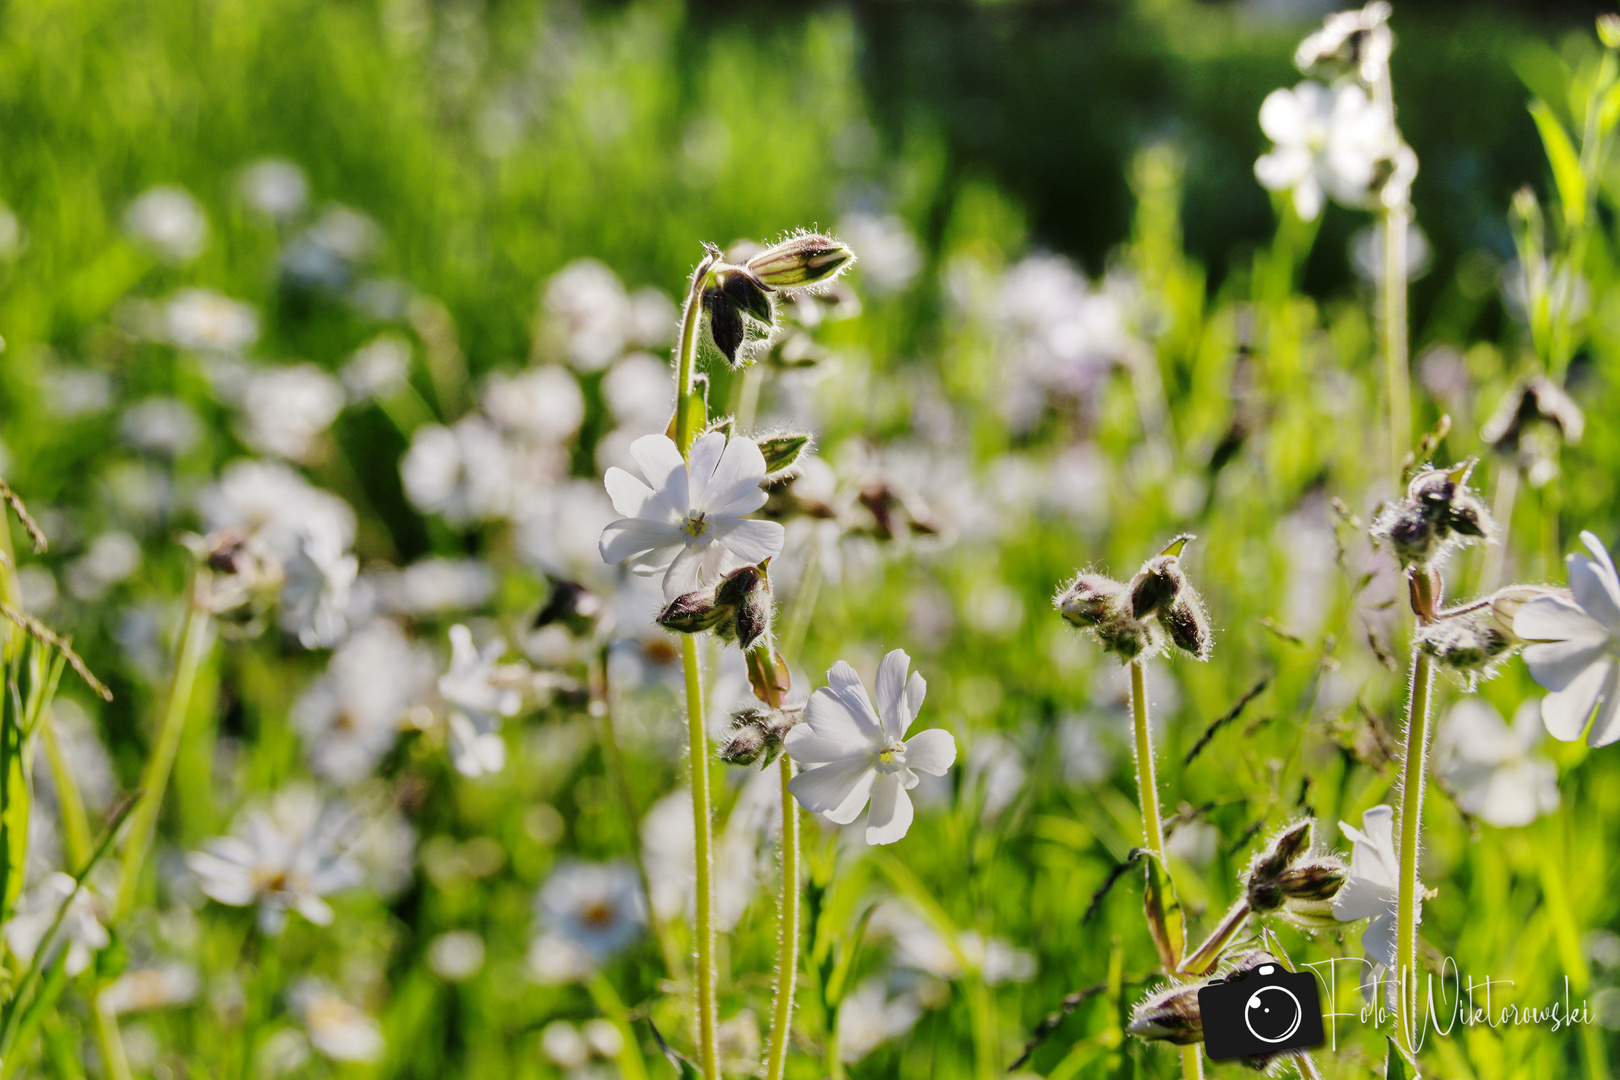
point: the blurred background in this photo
(336, 238)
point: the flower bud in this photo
(726, 325)
(1507, 602)
(1187, 625)
(1439, 512)
(1287, 881)
(1169, 1014)
(800, 261)
(1471, 643)
(1161, 579)
(1608, 31)
(782, 452)
(1090, 599)
(746, 594)
(756, 736)
(244, 576)
(694, 612)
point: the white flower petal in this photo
(1566, 711)
(1282, 168)
(631, 498)
(1284, 116)
(1606, 725)
(916, 691)
(707, 452)
(891, 812)
(685, 572)
(932, 751)
(751, 541)
(631, 538)
(827, 788)
(1308, 199)
(1594, 584)
(829, 715)
(660, 462)
(734, 489)
(891, 693)
(807, 748)
(1556, 618)
(1378, 940)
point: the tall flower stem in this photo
(195, 641)
(1147, 786)
(787, 949)
(688, 419)
(1413, 773)
(1392, 323)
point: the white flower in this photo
(169, 221)
(741, 851)
(160, 987)
(476, 703)
(1372, 891)
(1491, 766)
(463, 473)
(456, 956)
(869, 1017)
(587, 913)
(436, 585)
(690, 520)
(315, 598)
(110, 558)
(81, 930)
(336, 1028)
(275, 187)
(1329, 143)
(890, 257)
(283, 857)
(638, 392)
(205, 321)
(853, 752)
(162, 425)
(1575, 649)
(275, 503)
(285, 409)
(543, 403)
(350, 717)
(378, 368)
(919, 945)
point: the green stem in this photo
(76, 838)
(114, 1063)
(195, 641)
(1147, 784)
(686, 354)
(703, 835)
(1413, 774)
(787, 949)
(1392, 320)
(631, 1064)
(1203, 958)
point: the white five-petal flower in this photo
(1574, 649)
(1493, 768)
(1372, 890)
(1329, 142)
(853, 752)
(690, 520)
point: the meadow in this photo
(1209, 404)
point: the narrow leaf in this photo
(1565, 162)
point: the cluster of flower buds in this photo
(242, 580)
(1439, 513)
(740, 301)
(1172, 1014)
(737, 607)
(1532, 423)
(756, 736)
(1134, 619)
(1290, 881)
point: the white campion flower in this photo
(1329, 142)
(158, 987)
(350, 717)
(690, 521)
(282, 857)
(81, 930)
(1492, 767)
(586, 913)
(337, 1028)
(275, 187)
(463, 473)
(286, 409)
(870, 1017)
(475, 702)
(320, 576)
(1372, 891)
(205, 321)
(852, 752)
(1574, 649)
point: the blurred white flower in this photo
(741, 851)
(109, 559)
(920, 946)
(161, 425)
(462, 473)
(590, 319)
(889, 255)
(1372, 891)
(852, 752)
(638, 392)
(276, 188)
(586, 914)
(319, 576)
(434, 585)
(476, 700)
(543, 403)
(72, 392)
(205, 321)
(327, 253)
(1329, 142)
(1367, 253)
(281, 857)
(159, 987)
(1086, 758)
(690, 522)
(336, 1028)
(558, 535)
(378, 368)
(456, 956)
(81, 931)
(1575, 648)
(995, 766)
(87, 759)
(868, 1017)
(1492, 767)
(169, 221)
(284, 409)
(564, 1045)
(349, 718)
(275, 503)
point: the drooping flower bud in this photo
(244, 577)
(800, 262)
(1169, 1014)
(1187, 624)
(1288, 881)
(1090, 599)
(694, 612)
(1471, 643)
(756, 736)
(1161, 579)
(746, 593)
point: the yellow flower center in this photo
(695, 526)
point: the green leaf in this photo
(1565, 162)
(1395, 1064)
(1164, 915)
(14, 795)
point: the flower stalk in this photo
(1413, 777)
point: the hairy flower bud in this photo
(782, 452)
(1161, 579)
(694, 612)
(1288, 881)
(1187, 624)
(746, 593)
(1439, 512)
(756, 736)
(1090, 599)
(1505, 603)
(1471, 644)
(801, 261)
(1169, 1014)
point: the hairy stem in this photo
(787, 947)
(1409, 839)
(686, 354)
(195, 641)
(1203, 958)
